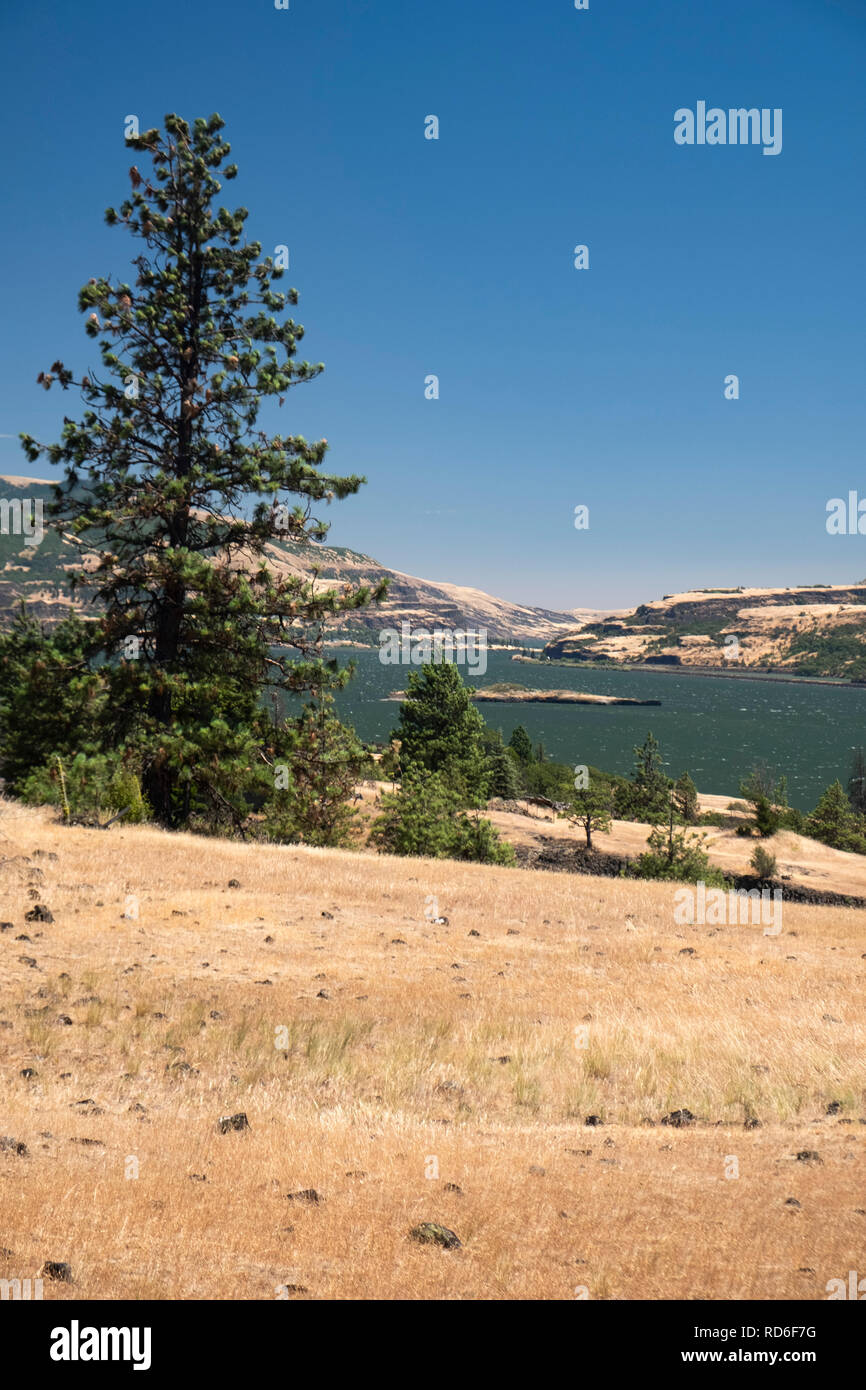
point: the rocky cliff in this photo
(815, 630)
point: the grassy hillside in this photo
(417, 1055)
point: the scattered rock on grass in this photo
(679, 1119)
(230, 1122)
(9, 1145)
(431, 1233)
(38, 913)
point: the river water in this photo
(716, 729)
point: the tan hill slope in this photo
(817, 630)
(36, 574)
(409, 1070)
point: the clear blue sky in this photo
(454, 257)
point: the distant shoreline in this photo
(772, 677)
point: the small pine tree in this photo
(646, 797)
(686, 799)
(521, 744)
(857, 782)
(676, 854)
(767, 797)
(832, 821)
(591, 808)
(424, 818)
(323, 764)
(441, 731)
(504, 775)
(51, 701)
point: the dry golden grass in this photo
(389, 1088)
(807, 863)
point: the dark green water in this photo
(716, 729)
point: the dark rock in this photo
(38, 913)
(58, 1270)
(329, 916)
(7, 926)
(197, 1177)
(679, 1119)
(687, 951)
(88, 1143)
(830, 1018)
(229, 1122)
(580, 1153)
(308, 1197)
(444, 1088)
(431, 1233)
(234, 883)
(809, 1156)
(269, 940)
(397, 941)
(65, 1020)
(12, 1146)
(215, 1013)
(593, 1120)
(451, 1187)
(323, 994)
(181, 1068)
(752, 1123)
(792, 1202)
(28, 1073)
(473, 933)
(28, 960)
(356, 1173)
(834, 1107)
(295, 1288)
(503, 1060)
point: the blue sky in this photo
(558, 387)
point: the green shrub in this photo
(90, 789)
(425, 818)
(763, 862)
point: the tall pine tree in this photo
(173, 491)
